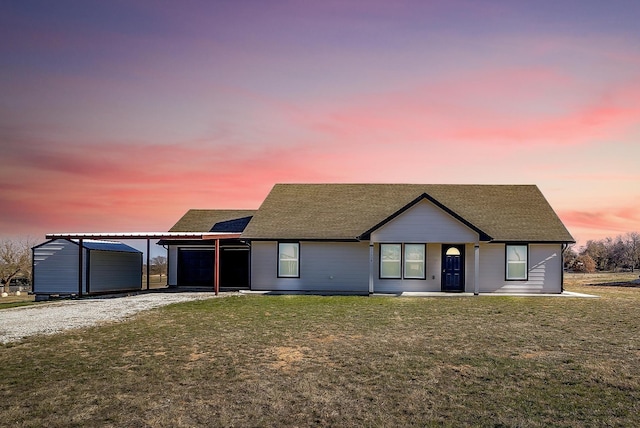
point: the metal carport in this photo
(148, 236)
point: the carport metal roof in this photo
(145, 235)
(166, 236)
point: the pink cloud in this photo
(123, 187)
(503, 107)
(602, 222)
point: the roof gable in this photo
(353, 211)
(424, 196)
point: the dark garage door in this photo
(196, 267)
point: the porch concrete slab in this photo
(441, 294)
(421, 294)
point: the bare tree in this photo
(15, 258)
(598, 251)
(632, 249)
(611, 254)
(159, 265)
(569, 257)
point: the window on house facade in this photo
(414, 261)
(397, 264)
(390, 261)
(517, 267)
(288, 260)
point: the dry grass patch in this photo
(12, 301)
(338, 361)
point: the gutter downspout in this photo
(166, 248)
(148, 270)
(216, 268)
(564, 248)
(80, 245)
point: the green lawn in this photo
(339, 361)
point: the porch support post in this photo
(80, 262)
(148, 262)
(476, 270)
(216, 268)
(371, 267)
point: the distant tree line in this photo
(608, 254)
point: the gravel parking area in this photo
(53, 317)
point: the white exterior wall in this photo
(172, 265)
(424, 222)
(544, 267)
(324, 266)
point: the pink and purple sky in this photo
(121, 115)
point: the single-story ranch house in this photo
(378, 238)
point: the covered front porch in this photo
(424, 267)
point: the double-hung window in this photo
(399, 261)
(517, 267)
(390, 261)
(414, 261)
(288, 260)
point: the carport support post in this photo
(148, 262)
(476, 270)
(216, 268)
(80, 244)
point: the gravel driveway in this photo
(53, 317)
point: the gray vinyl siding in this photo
(324, 266)
(544, 270)
(112, 270)
(424, 222)
(55, 266)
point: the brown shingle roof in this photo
(349, 211)
(209, 220)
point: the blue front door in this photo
(452, 268)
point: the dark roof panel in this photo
(213, 221)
